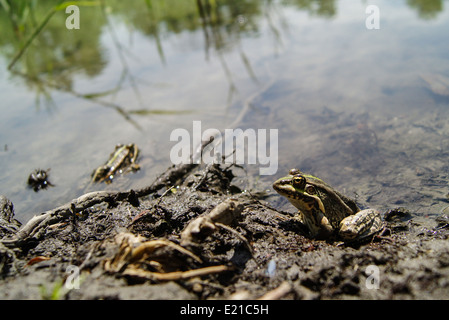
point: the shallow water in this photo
(350, 104)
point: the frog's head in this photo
(299, 189)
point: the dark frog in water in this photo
(122, 160)
(324, 211)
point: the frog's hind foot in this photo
(361, 225)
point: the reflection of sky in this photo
(341, 59)
(318, 62)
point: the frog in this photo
(122, 160)
(325, 212)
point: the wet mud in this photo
(207, 239)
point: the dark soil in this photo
(261, 248)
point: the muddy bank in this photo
(206, 239)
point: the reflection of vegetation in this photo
(221, 30)
(50, 47)
(324, 8)
(18, 13)
(53, 55)
(41, 48)
(218, 20)
(47, 55)
(427, 9)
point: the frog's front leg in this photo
(362, 224)
(318, 225)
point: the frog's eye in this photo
(294, 172)
(299, 182)
(310, 189)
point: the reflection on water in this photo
(427, 9)
(136, 71)
(324, 8)
(57, 55)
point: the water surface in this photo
(351, 104)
